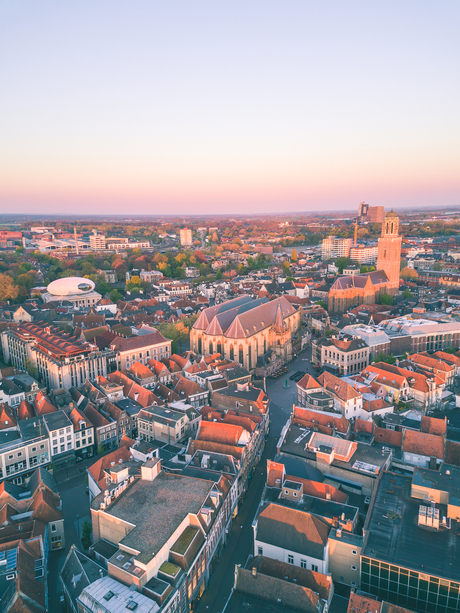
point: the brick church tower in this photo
(389, 253)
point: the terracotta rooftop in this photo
(340, 388)
(423, 444)
(431, 425)
(218, 432)
(308, 382)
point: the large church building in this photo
(349, 290)
(244, 329)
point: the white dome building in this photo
(78, 290)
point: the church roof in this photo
(377, 277)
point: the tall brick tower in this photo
(389, 253)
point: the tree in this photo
(294, 256)
(408, 273)
(86, 534)
(134, 284)
(8, 290)
(385, 299)
(407, 294)
(342, 263)
(437, 266)
(383, 357)
(100, 449)
(115, 296)
(219, 275)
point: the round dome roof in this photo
(70, 285)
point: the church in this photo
(244, 329)
(349, 290)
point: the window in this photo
(54, 450)
(42, 446)
(314, 568)
(260, 551)
(53, 527)
(353, 567)
(303, 563)
(354, 552)
(290, 559)
(62, 448)
(19, 454)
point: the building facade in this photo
(243, 330)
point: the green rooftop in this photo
(169, 569)
(185, 540)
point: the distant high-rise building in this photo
(376, 214)
(186, 239)
(97, 241)
(333, 247)
(370, 214)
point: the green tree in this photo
(407, 294)
(385, 299)
(219, 274)
(342, 263)
(383, 357)
(115, 296)
(86, 534)
(100, 449)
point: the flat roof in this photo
(114, 597)
(156, 509)
(297, 438)
(395, 537)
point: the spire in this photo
(279, 320)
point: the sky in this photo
(208, 107)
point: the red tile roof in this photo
(275, 474)
(7, 418)
(25, 410)
(97, 470)
(363, 604)
(364, 426)
(226, 434)
(324, 421)
(340, 388)
(42, 404)
(389, 437)
(319, 490)
(423, 444)
(236, 452)
(431, 425)
(308, 382)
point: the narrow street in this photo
(75, 505)
(240, 543)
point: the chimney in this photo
(254, 571)
(151, 469)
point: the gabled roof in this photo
(307, 382)
(292, 529)
(340, 388)
(226, 434)
(431, 425)
(389, 437)
(25, 410)
(423, 444)
(236, 452)
(324, 421)
(97, 470)
(7, 417)
(42, 404)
